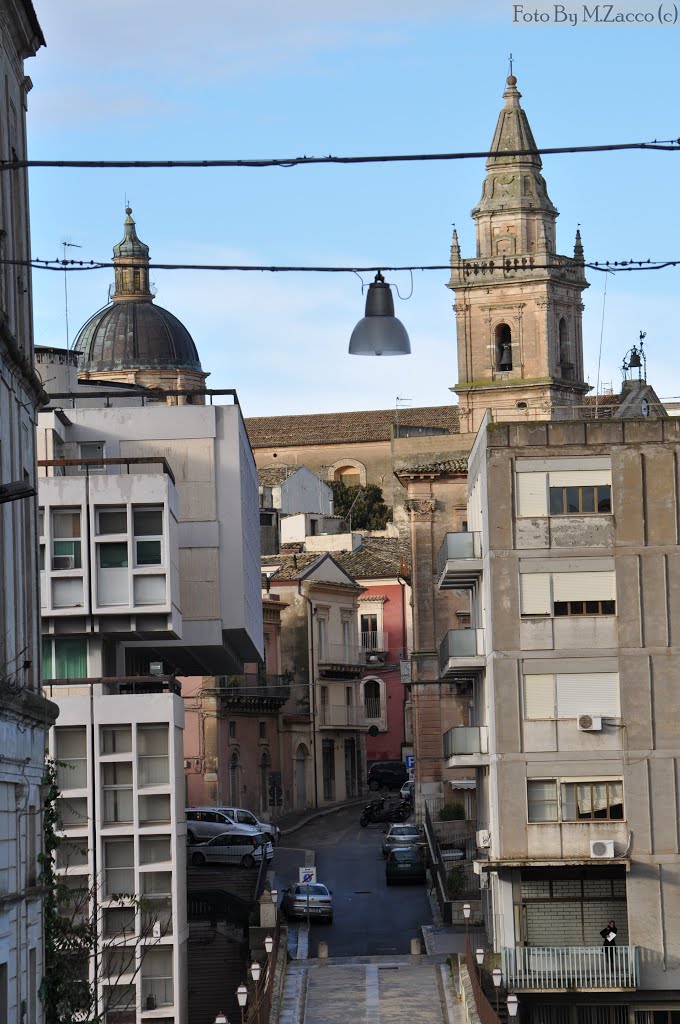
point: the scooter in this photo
(377, 811)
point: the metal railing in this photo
(121, 685)
(485, 1010)
(374, 640)
(373, 707)
(260, 1002)
(351, 715)
(86, 466)
(571, 967)
(340, 654)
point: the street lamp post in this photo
(466, 916)
(221, 1018)
(479, 956)
(497, 976)
(268, 944)
(255, 971)
(242, 996)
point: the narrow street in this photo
(370, 919)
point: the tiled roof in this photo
(345, 427)
(377, 556)
(271, 476)
(290, 566)
(439, 467)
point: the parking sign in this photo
(409, 761)
(307, 875)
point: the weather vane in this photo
(510, 59)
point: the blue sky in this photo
(136, 79)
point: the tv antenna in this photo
(67, 245)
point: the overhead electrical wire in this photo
(668, 145)
(471, 268)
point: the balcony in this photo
(342, 716)
(340, 661)
(253, 692)
(374, 642)
(459, 562)
(466, 746)
(570, 968)
(461, 651)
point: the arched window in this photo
(351, 472)
(372, 698)
(503, 347)
(265, 765)
(349, 476)
(234, 772)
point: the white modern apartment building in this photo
(149, 568)
(25, 716)
(572, 564)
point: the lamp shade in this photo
(513, 1004)
(255, 970)
(242, 995)
(379, 333)
(269, 943)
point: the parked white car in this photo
(205, 823)
(231, 848)
(242, 816)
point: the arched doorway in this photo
(265, 766)
(301, 759)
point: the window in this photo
(152, 747)
(148, 525)
(369, 630)
(580, 501)
(119, 867)
(556, 800)
(568, 593)
(66, 552)
(263, 730)
(117, 788)
(64, 657)
(116, 739)
(154, 849)
(70, 749)
(73, 811)
(118, 922)
(111, 520)
(113, 556)
(321, 638)
(157, 987)
(372, 698)
(568, 694)
(584, 608)
(92, 450)
(153, 809)
(232, 730)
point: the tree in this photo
(364, 506)
(75, 961)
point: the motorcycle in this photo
(379, 811)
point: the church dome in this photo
(135, 335)
(132, 333)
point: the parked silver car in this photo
(204, 823)
(242, 816)
(402, 835)
(302, 898)
(231, 848)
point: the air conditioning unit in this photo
(483, 839)
(589, 723)
(602, 849)
(63, 562)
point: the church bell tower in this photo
(518, 304)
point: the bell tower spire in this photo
(518, 304)
(131, 265)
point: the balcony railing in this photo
(339, 716)
(373, 707)
(461, 650)
(69, 467)
(374, 641)
(573, 968)
(459, 562)
(465, 739)
(340, 659)
(123, 686)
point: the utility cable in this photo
(669, 145)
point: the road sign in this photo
(307, 874)
(409, 761)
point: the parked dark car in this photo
(387, 774)
(405, 864)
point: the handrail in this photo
(485, 1010)
(134, 460)
(571, 967)
(259, 1008)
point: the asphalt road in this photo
(370, 919)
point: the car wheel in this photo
(190, 837)
(373, 785)
(197, 859)
(248, 861)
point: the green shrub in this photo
(456, 881)
(452, 812)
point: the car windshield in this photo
(314, 890)
(404, 830)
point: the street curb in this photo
(321, 812)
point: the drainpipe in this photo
(312, 685)
(404, 636)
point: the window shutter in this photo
(581, 478)
(532, 494)
(535, 593)
(584, 586)
(539, 696)
(594, 693)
